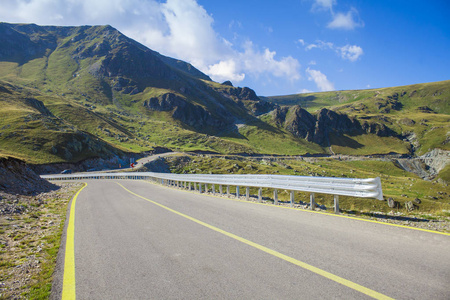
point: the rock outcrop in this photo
(317, 128)
(16, 177)
(428, 165)
(190, 114)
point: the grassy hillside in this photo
(435, 95)
(419, 114)
(31, 131)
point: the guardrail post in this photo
(228, 191)
(237, 191)
(220, 189)
(200, 187)
(247, 193)
(336, 204)
(206, 187)
(189, 185)
(312, 202)
(260, 194)
(275, 196)
(213, 189)
(292, 198)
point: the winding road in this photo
(137, 240)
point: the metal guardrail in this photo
(354, 187)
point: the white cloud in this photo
(323, 4)
(348, 52)
(303, 91)
(257, 62)
(320, 45)
(179, 28)
(351, 52)
(225, 70)
(311, 46)
(346, 21)
(312, 63)
(301, 41)
(320, 80)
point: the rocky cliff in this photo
(190, 114)
(318, 127)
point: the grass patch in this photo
(32, 244)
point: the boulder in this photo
(391, 203)
(409, 205)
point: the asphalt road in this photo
(202, 247)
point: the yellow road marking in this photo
(68, 289)
(294, 261)
(317, 212)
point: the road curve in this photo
(137, 240)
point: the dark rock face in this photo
(165, 102)
(279, 114)
(330, 121)
(244, 93)
(246, 97)
(190, 114)
(39, 105)
(16, 177)
(317, 128)
(378, 129)
(301, 123)
(260, 107)
(197, 117)
(16, 44)
(391, 103)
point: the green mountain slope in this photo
(416, 115)
(96, 80)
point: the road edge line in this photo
(68, 289)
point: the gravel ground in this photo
(29, 238)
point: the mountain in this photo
(72, 93)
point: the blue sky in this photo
(275, 47)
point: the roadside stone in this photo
(417, 201)
(409, 205)
(391, 202)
